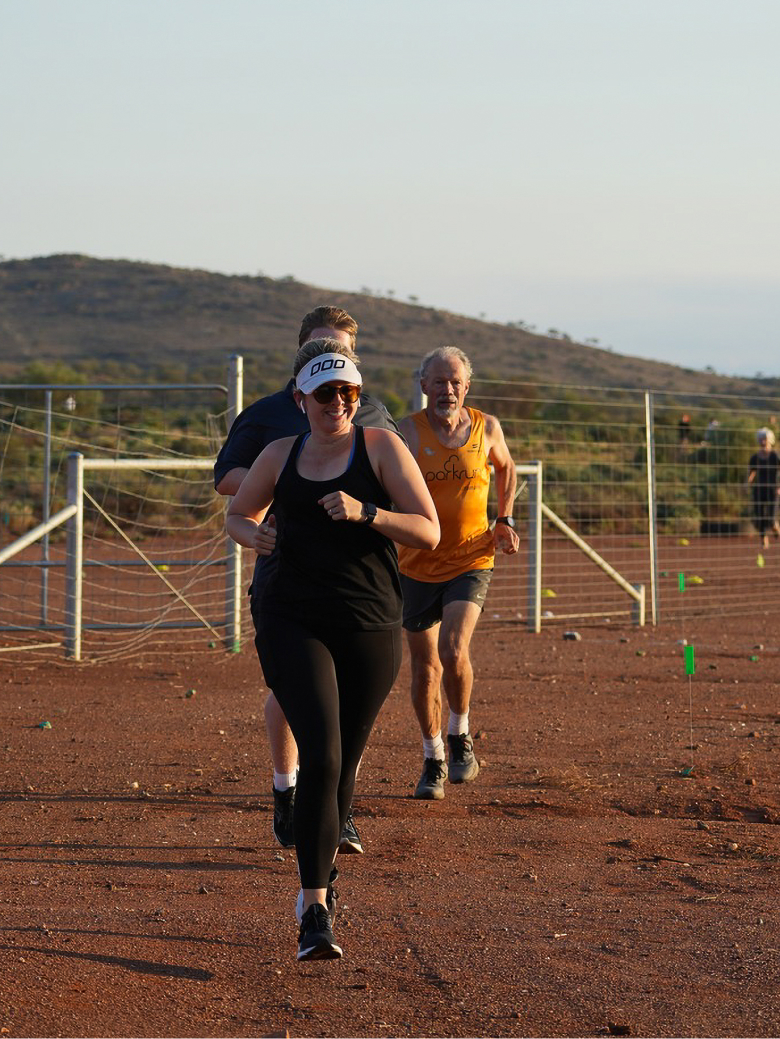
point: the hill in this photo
(109, 318)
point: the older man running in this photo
(444, 589)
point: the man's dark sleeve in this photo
(372, 412)
(244, 443)
(268, 419)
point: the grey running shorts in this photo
(424, 601)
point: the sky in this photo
(607, 168)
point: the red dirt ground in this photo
(581, 886)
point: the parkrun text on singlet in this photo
(450, 471)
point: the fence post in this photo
(235, 388)
(419, 400)
(651, 507)
(233, 598)
(46, 512)
(638, 607)
(534, 587)
(74, 557)
(233, 563)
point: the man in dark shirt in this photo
(269, 419)
(763, 470)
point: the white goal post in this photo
(538, 511)
(73, 516)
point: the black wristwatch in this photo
(369, 512)
(506, 520)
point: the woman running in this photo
(330, 639)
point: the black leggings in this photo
(764, 509)
(331, 686)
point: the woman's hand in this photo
(264, 541)
(340, 506)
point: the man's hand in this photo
(505, 539)
(265, 537)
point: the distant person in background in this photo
(711, 432)
(444, 588)
(762, 477)
(684, 430)
(258, 425)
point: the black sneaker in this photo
(431, 785)
(463, 764)
(350, 843)
(315, 938)
(284, 801)
(331, 896)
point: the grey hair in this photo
(449, 352)
(315, 347)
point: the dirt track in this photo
(582, 882)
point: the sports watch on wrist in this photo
(506, 520)
(369, 512)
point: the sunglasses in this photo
(325, 394)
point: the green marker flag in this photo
(690, 665)
(681, 579)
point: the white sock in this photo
(434, 747)
(458, 724)
(284, 780)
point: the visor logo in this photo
(326, 366)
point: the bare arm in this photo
(498, 453)
(231, 481)
(415, 522)
(506, 483)
(408, 431)
(253, 496)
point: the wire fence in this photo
(154, 559)
(654, 485)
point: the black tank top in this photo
(340, 574)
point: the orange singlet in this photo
(458, 479)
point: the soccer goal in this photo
(131, 592)
(555, 549)
(130, 556)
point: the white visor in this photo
(327, 368)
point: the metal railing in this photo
(72, 515)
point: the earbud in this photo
(300, 405)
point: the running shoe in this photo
(350, 843)
(431, 785)
(463, 764)
(331, 895)
(284, 802)
(315, 938)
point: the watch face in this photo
(508, 520)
